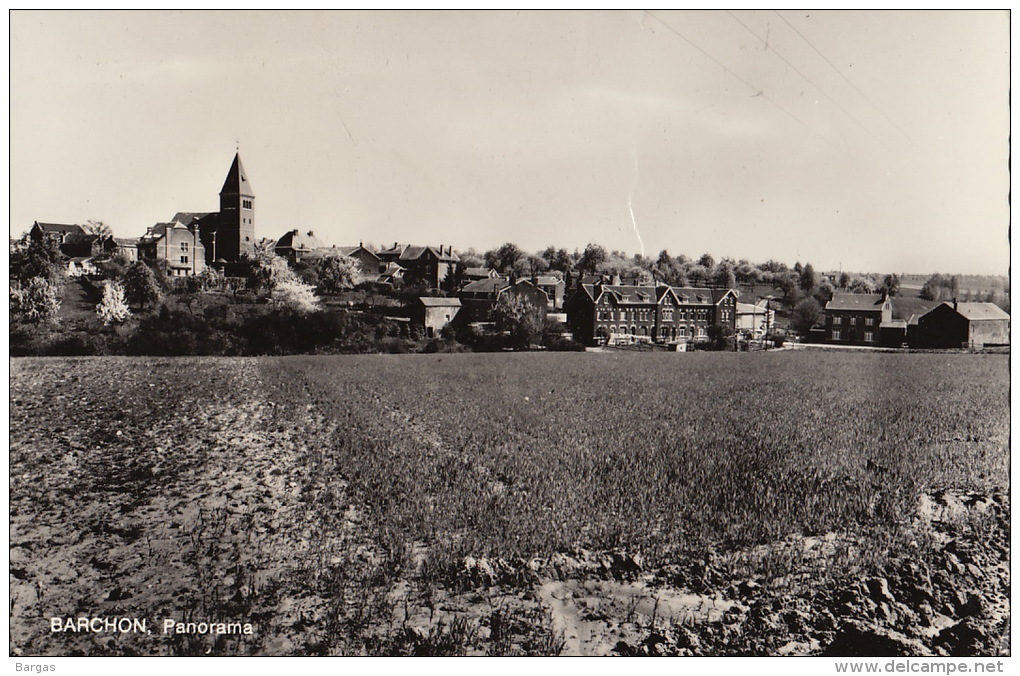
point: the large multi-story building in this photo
(855, 318)
(611, 313)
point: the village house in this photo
(431, 315)
(126, 248)
(754, 319)
(71, 240)
(962, 325)
(427, 265)
(855, 318)
(370, 264)
(475, 274)
(553, 287)
(608, 313)
(296, 246)
(479, 298)
(176, 244)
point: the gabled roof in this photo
(189, 217)
(749, 308)
(351, 250)
(62, 228)
(300, 241)
(237, 180)
(548, 280)
(407, 252)
(159, 230)
(976, 312)
(429, 301)
(125, 241)
(856, 301)
(491, 285)
(479, 272)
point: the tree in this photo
(295, 295)
(37, 259)
(36, 301)
(823, 294)
(697, 274)
(890, 285)
(808, 281)
(719, 336)
(337, 273)
(141, 286)
(504, 258)
(707, 261)
(516, 315)
(724, 276)
(806, 314)
(113, 309)
(593, 257)
(860, 285)
(266, 270)
(98, 228)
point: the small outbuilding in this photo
(431, 315)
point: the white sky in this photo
(879, 145)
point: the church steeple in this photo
(236, 230)
(237, 180)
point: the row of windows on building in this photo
(664, 331)
(246, 204)
(644, 315)
(869, 336)
(868, 321)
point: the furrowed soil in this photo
(576, 504)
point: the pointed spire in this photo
(237, 180)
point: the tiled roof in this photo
(189, 217)
(429, 301)
(488, 285)
(978, 311)
(893, 324)
(63, 228)
(302, 241)
(547, 280)
(856, 301)
(477, 272)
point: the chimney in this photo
(956, 305)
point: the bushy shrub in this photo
(560, 344)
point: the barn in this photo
(963, 325)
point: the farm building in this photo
(892, 333)
(432, 314)
(609, 313)
(963, 325)
(855, 318)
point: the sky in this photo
(863, 141)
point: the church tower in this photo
(235, 231)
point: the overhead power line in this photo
(848, 80)
(757, 90)
(771, 48)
